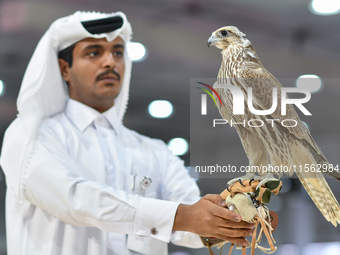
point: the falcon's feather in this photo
(271, 143)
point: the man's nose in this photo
(109, 60)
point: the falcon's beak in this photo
(212, 40)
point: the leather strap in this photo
(244, 250)
(211, 252)
(231, 248)
(265, 230)
(253, 241)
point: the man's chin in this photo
(107, 95)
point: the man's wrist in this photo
(181, 218)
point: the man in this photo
(79, 182)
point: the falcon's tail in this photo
(322, 195)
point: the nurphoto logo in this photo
(239, 103)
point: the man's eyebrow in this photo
(118, 46)
(97, 46)
(93, 46)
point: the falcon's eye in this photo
(224, 32)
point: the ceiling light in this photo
(325, 7)
(310, 82)
(321, 248)
(179, 146)
(160, 109)
(2, 88)
(136, 51)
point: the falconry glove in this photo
(249, 201)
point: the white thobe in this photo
(83, 190)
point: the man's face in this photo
(97, 72)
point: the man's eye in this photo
(93, 54)
(118, 53)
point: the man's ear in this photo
(64, 70)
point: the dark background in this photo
(289, 40)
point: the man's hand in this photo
(209, 217)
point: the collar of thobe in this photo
(82, 116)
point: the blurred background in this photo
(292, 38)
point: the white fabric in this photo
(43, 92)
(78, 186)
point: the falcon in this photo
(271, 144)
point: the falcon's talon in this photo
(251, 180)
(248, 176)
(239, 180)
(228, 187)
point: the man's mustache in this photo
(100, 76)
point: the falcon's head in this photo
(225, 36)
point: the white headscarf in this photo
(44, 93)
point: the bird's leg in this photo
(270, 182)
(256, 153)
(249, 176)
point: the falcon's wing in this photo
(256, 76)
(315, 184)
